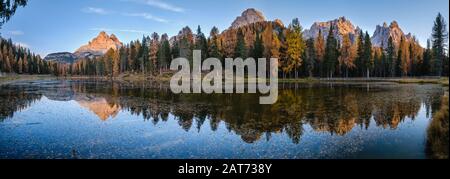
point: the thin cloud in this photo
(146, 16)
(159, 4)
(15, 32)
(121, 30)
(95, 10)
(164, 6)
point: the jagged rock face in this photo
(99, 46)
(249, 16)
(381, 35)
(341, 27)
(62, 57)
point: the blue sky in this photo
(47, 26)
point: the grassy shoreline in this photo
(6, 79)
(437, 145)
(443, 80)
(166, 78)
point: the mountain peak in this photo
(102, 33)
(342, 26)
(394, 24)
(249, 16)
(99, 45)
(381, 35)
(342, 19)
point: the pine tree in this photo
(390, 58)
(241, 49)
(331, 53)
(439, 39)
(108, 60)
(295, 47)
(164, 52)
(258, 48)
(320, 52)
(116, 63)
(140, 57)
(412, 61)
(175, 50)
(346, 57)
(123, 59)
(384, 68)
(186, 44)
(378, 62)
(417, 57)
(275, 46)
(25, 64)
(20, 66)
(360, 54)
(214, 44)
(131, 56)
(144, 56)
(311, 56)
(405, 58)
(201, 43)
(153, 54)
(399, 60)
(368, 61)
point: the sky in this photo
(48, 26)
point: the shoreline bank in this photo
(142, 78)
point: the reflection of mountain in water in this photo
(335, 109)
(100, 107)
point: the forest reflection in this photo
(331, 108)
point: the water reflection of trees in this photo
(335, 110)
(15, 99)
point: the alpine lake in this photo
(90, 119)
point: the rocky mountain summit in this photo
(95, 48)
(252, 22)
(381, 35)
(99, 46)
(249, 16)
(341, 26)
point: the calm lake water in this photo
(89, 119)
